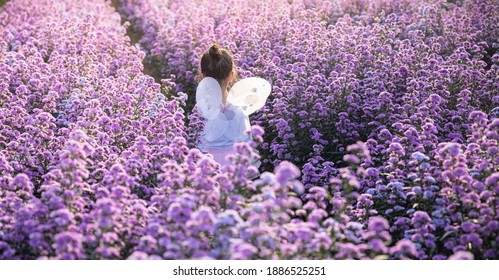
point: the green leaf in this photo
(446, 234)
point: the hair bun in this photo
(215, 51)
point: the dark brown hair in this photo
(217, 63)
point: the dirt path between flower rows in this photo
(135, 37)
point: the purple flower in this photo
(461, 255)
(468, 226)
(419, 156)
(286, 171)
(138, 255)
(452, 149)
(420, 218)
(378, 224)
(403, 249)
(351, 159)
(492, 180)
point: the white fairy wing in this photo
(216, 128)
(249, 94)
(209, 98)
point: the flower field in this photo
(379, 140)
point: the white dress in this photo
(221, 134)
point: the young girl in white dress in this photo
(225, 123)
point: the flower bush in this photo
(379, 141)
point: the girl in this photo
(230, 126)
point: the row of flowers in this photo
(415, 81)
(95, 163)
